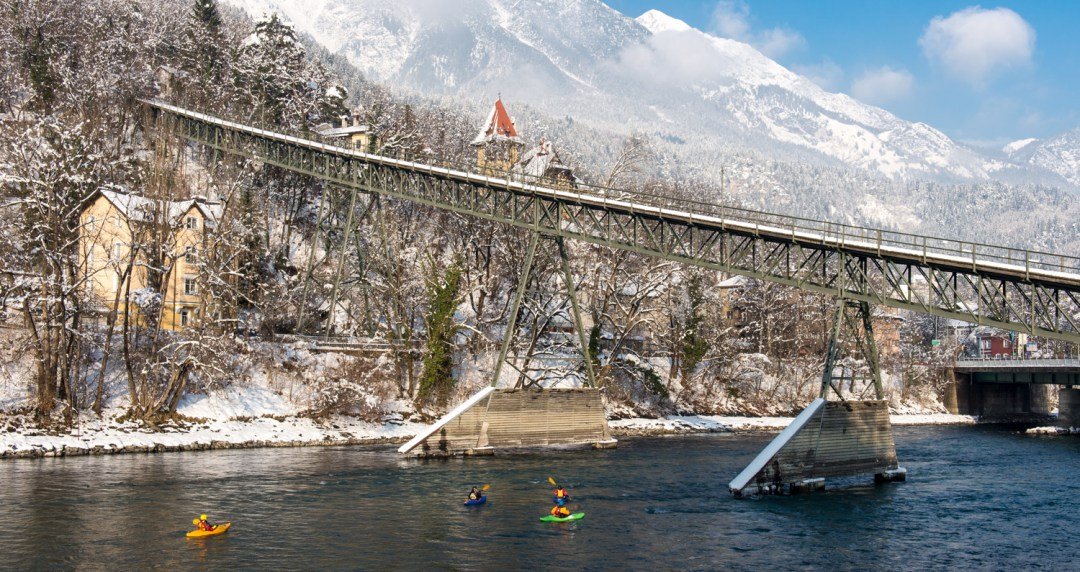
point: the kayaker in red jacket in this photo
(561, 496)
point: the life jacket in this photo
(560, 511)
(560, 493)
(203, 525)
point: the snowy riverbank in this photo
(98, 437)
(112, 437)
(681, 424)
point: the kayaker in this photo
(560, 511)
(561, 496)
(474, 494)
(203, 523)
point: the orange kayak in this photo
(219, 529)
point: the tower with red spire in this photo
(498, 145)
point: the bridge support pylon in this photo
(515, 310)
(525, 416)
(833, 438)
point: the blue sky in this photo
(982, 73)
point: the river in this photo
(979, 497)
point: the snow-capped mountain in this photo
(654, 74)
(1058, 154)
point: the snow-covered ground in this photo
(722, 423)
(106, 437)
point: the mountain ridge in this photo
(583, 58)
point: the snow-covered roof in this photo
(344, 131)
(733, 282)
(542, 161)
(498, 126)
(142, 209)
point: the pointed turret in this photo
(497, 144)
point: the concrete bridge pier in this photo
(998, 400)
(1069, 407)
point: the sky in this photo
(985, 74)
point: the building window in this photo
(117, 251)
(91, 224)
(190, 287)
(185, 317)
(191, 222)
(190, 253)
(90, 271)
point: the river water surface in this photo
(977, 498)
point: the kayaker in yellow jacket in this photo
(203, 523)
(475, 494)
(561, 496)
(560, 511)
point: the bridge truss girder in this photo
(965, 290)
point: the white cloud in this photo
(976, 44)
(882, 85)
(731, 19)
(827, 75)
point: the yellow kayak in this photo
(219, 529)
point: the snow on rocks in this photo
(1053, 430)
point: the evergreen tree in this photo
(437, 379)
(204, 53)
(280, 83)
(693, 346)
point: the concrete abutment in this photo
(1069, 407)
(507, 419)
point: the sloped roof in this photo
(343, 131)
(542, 161)
(737, 281)
(499, 125)
(142, 209)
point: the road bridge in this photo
(1014, 388)
(1016, 289)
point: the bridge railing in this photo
(841, 234)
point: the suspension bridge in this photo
(1036, 293)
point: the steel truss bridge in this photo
(1014, 289)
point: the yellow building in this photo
(113, 223)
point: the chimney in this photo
(344, 121)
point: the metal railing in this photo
(1006, 362)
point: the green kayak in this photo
(575, 516)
